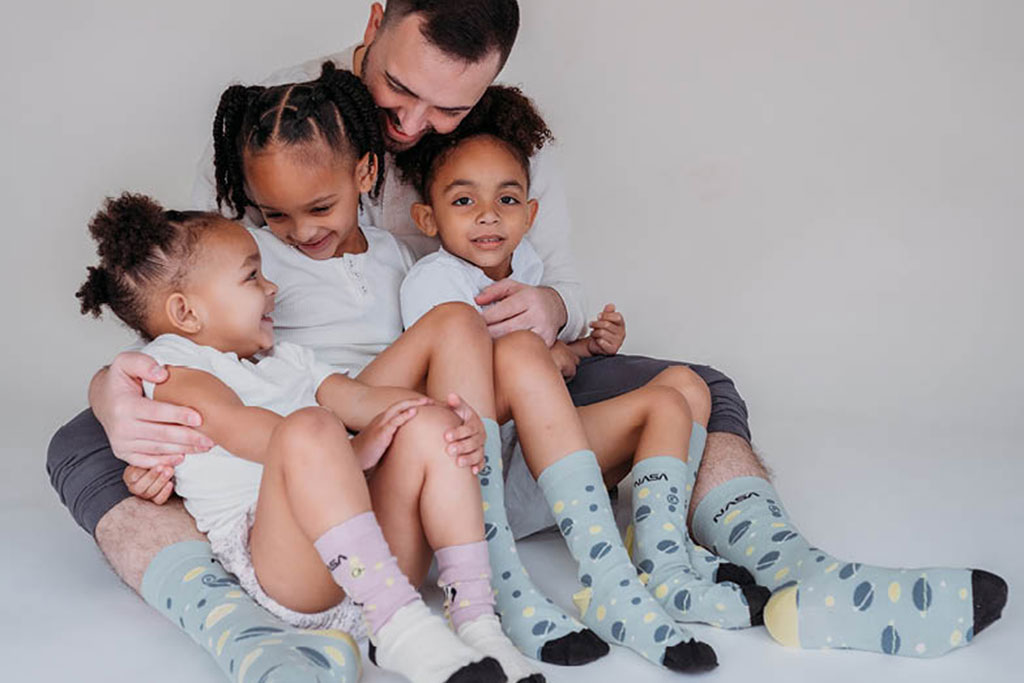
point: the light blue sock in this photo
(703, 561)
(660, 538)
(186, 584)
(820, 601)
(613, 602)
(538, 627)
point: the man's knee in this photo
(84, 471)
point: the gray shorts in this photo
(87, 476)
(598, 379)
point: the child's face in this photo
(309, 196)
(229, 298)
(479, 205)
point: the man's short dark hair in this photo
(467, 29)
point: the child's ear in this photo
(181, 314)
(366, 172)
(423, 217)
(533, 206)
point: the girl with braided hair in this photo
(282, 496)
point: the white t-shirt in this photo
(443, 277)
(217, 486)
(390, 211)
(345, 309)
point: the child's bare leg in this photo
(314, 510)
(449, 350)
(550, 430)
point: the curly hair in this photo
(503, 112)
(141, 246)
(335, 109)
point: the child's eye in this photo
(271, 216)
(320, 209)
(462, 201)
(252, 275)
(509, 200)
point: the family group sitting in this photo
(375, 279)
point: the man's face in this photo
(418, 87)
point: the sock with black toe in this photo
(538, 627)
(660, 498)
(613, 602)
(820, 601)
(406, 637)
(464, 574)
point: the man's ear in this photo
(373, 24)
(182, 315)
(423, 217)
(366, 172)
(532, 205)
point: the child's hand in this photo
(155, 485)
(372, 442)
(608, 332)
(565, 359)
(466, 442)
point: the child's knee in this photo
(516, 348)
(307, 434)
(423, 437)
(459, 320)
(689, 384)
(666, 402)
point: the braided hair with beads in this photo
(335, 109)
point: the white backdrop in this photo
(822, 198)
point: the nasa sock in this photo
(532, 621)
(186, 584)
(660, 541)
(404, 635)
(613, 602)
(705, 563)
(819, 601)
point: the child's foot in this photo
(659, 548)
(484, 635)
(613, 602)
(418, 645)
(535, 624)
(821, 601)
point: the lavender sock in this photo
(465, 575)
(361, 563)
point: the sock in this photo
(613, 602)
(820, 601)
(707, 564)
(404, 636)
(660, 501)
(465, 577)
(361, 563)
(534, 623)
(186, 584)
(464, 574)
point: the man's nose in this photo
(415, 119)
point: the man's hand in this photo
(372, 442)
(143, 433)
(155, 485)
(565, 359)
(608, 332)
(466, 442)
(522, 307)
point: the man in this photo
(426, 75)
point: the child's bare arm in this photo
(239, 429)
(357, 404)
(606, 336)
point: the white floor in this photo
(893, 498)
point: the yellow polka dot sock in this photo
(613, 602)
(186, 584)
(820, 601)
(538, 627)
(659, 551)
